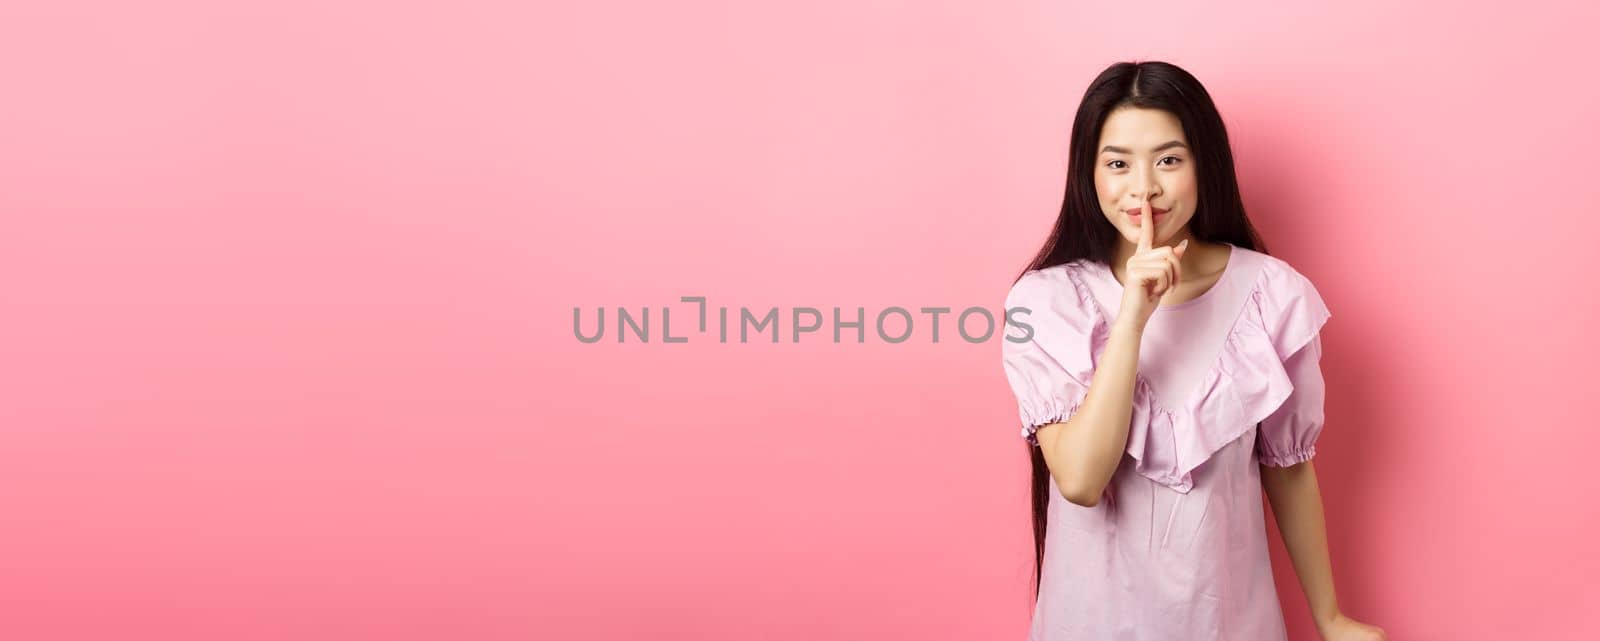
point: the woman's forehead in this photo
(1140, 130)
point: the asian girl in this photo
(1170, 377)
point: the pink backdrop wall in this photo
(287, 295)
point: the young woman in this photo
(1171, 374)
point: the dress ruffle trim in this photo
(1245, 386)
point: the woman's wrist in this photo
(1129, 327)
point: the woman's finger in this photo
(1158, 283)
(1147, 281)
(1147, 233)
(1167, 266)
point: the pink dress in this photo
(1177, 546)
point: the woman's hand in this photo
(1343, 628)
(1150, 272)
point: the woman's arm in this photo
(1083, 452)
(1297, 507)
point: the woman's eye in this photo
(1113, 164)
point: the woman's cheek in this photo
(1108, 191)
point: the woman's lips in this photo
(1159, 214)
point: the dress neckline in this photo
(1227, 268)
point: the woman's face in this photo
(1143, 151)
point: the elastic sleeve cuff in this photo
(1054, 410)
(1286, 460)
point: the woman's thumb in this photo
(1181, 247)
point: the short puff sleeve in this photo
(1048, 346)
(1296, 314)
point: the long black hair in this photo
(1082, 231)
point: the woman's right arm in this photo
(1084, 451)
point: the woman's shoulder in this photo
(1290, 308)
(1055, 301)
(1275, 275)
(1052, 284)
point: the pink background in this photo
(288, 291)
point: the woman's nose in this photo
(1146, 186)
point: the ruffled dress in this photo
(1177, 546)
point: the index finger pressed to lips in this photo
(1146, 228)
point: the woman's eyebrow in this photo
(1165, 145)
